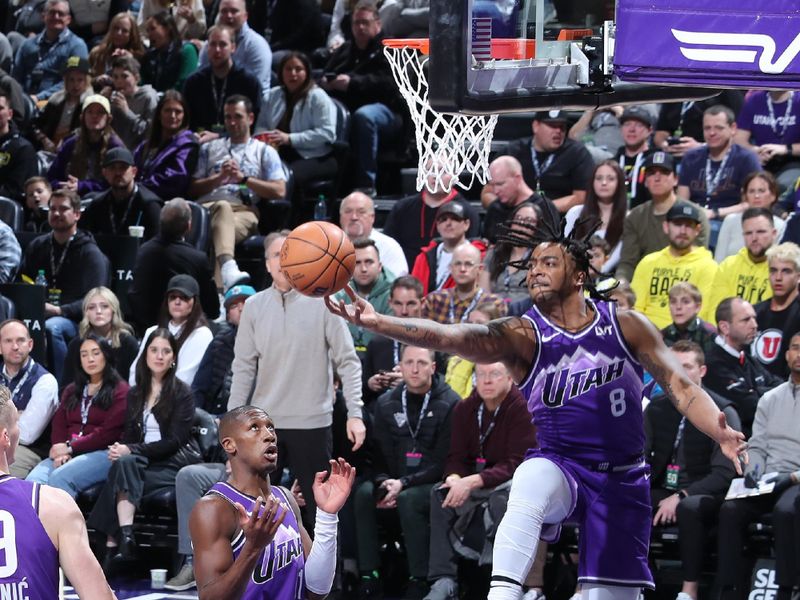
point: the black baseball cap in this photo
(555, 116)
(684, 210)
(455, 209)
(638, 113)
(78, 63)
(117, 155)
(660, 160)
(185, 284)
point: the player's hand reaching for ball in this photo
(262, 524)
(732, 444)
(359, 312)
(330, 494)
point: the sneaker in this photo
(444, 588)
(184, 580)
(416, 589)
(683, 596)
(231, 275)
(533, 594)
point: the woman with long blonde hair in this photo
(102, 316)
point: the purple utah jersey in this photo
(584, 390)
(280, 570)
(28, 559)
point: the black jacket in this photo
(212, 383)
(204, 113)
(296, 25)
(17, 164)
(123, 358)
(393, 439)
(158, 260)
(84, 267)
(105, 216)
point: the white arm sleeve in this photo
(321, 561)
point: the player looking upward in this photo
(579, 363)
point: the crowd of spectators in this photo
(152, 120)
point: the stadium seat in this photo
(11, 213)
(200, 234)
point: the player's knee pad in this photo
(593, 591)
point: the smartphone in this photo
(673, 140)
(442, 493)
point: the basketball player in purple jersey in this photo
(249, 542)
(40, 529)
(579, 361)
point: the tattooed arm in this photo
(688, 397)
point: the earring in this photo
(172, 366)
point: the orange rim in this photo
(420, 44)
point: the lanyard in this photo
(7, 381)
(773, 123)
(125, 214)
(451, 314)
(56, 268)
(678, 438)
(219, 97)
(685, 107)
(540, 169)
(632, 176)
(712, 184)
(422, 410)
(86, 406)
(482, 436)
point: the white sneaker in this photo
(231, 275)
(683, 596)
(533, 594)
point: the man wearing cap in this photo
(643, 231)
(125, 203)
(39, 63)
(636, 123)
(432, 265)
(17, 155)
(62, 113)
(511, 190)
(552, 164)
(679, 261)
(746, 273)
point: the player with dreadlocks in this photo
(579, 362)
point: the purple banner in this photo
(711, 43)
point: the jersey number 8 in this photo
(617, 398)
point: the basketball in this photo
(318, 259)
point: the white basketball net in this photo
(449, 144)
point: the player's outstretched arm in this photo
(688, 398)
(212, 524)
(64, 523)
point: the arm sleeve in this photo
(346, 362)
(245, 361)
(40, 410)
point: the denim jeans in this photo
(59, 331)
(372, 123)
(74, 476)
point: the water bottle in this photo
(321, 209)
(40, 278)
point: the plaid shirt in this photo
(443, 306)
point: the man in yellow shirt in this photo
(746, 273)
(681, 260)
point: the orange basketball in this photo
(318, 259)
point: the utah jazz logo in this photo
(563, 384)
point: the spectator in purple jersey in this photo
(566, 352)
(245, 527)
(53, 533)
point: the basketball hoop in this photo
(448, 144)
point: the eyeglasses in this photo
(490, 375)
(464, 264)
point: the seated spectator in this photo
(643, 231)
(405, 18)
(357, 219)
(253, 53)
(102, 317)
(460, 374)
(361, 78)
(637, 127)
(779, 317)
(167, 158)
(689, 473)
(90, 18)
(124, 203)
(774, 447)
(182, 314)
(732, 370)
(37, 198)
(231, 177)
(432, 265)
(759, 190)
(207, 88)
(769, 125)
(493, 431)
(607, 200)
(72, 264)
(409, 460)
(121, 39)
(212, 384)
(156, 443)
(599, 131)
(189, 15)
(685, 302)
(746, 273)
(299, 119)
(39, 63)
(169, 61)
(62, 114)
(34, 392)
(132, 105)
(78, 163)
(453, 305)
(680, 260)
(17, 155)
(500, 274)
(511, 190)
(165, 256)
(89, 419)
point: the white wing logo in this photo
(757, 41)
